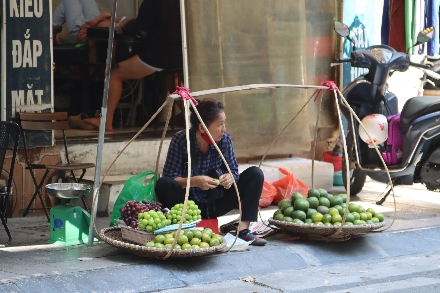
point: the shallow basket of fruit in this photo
(150, 232)
(319, 216)
(113, 236)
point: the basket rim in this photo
(325, 230)
(142, 250)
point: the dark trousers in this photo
(250, 185)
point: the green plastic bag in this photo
(134, 189)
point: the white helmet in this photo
(376, 126)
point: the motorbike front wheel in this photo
(357, 176)
(357, 179)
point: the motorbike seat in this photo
(419, 106)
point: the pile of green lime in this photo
(188, 239)
(192, 213)
(323, 208)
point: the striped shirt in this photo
(176, 164)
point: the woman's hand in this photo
(205, 182)
(226, 180)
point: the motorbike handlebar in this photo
(425, 66)
(343, 60)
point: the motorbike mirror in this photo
(342, 30)
(424, 36)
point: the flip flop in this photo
(76, 122)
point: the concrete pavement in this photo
(404, 258)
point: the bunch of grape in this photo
(192, 213)
(152, 220)
(130, 211)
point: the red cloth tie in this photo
(328, 83)
(183, 92)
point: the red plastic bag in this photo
(267, 194)
(288, 186)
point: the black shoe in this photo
(246, 235)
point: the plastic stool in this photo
(209, 223)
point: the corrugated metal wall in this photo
(238, 42)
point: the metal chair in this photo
(9, 135)
(48, 121)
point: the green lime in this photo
(336, 218)
(363, 216)
(322, 209)
(297, 221)
(380, 217)
(327, 218)
(277, 212)
(299, 215)
(335, 200)
(313, 192)
(287, 219)
(322, 192)
(308, 221)
(349, 218)
(313, 202)
(301, 204)
(352, 207)
(317, 217)
(214, 242)
(343, 196)
(288, 212)
(372, 211)
(279, 217)
(333, 211)
(203, 245)
(358, 222)
(295, 196)
(159, 238)
(323, 201)
(356, 216)
(375, 220)
(284, 203)
(310, 212)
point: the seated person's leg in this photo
(131, 68)
(169, 192)
(250, 186)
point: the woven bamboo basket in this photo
(113, 236)
(320, 232)
(136, 236)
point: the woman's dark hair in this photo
(209, 110)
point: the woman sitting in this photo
(215, 196)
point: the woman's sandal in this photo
(228, 227)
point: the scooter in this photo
(411, 151)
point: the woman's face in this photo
(218, 127)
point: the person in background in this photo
(170, 188)
(74, 13)
(158, 22)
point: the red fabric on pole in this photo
(397, 25)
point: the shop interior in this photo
(79, 80)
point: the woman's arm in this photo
(201, 181)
